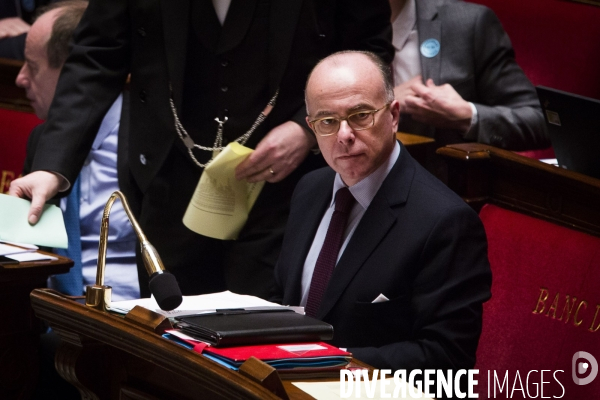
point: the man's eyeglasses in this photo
(358, 121)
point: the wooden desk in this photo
(422, 148)
(109, 357)
(483, 174)
(19, 329)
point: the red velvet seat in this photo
(545, 305)
(543, 228)
(556, 43)
(15, 127)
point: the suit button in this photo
(143, 159)
(224, 63)
(143, 96)
(142, 32)
(224, 89)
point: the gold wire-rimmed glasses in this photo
(358, 121)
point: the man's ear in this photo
(395, 109)
(307, 118)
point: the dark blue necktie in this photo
(71, 283)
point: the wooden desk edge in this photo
(113, 330)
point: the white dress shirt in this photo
(407, 63)
(364, 192)
(221, 8)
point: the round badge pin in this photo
(430, 48)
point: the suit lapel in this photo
(318, 199)
(175, 16)
(429, 26)
(372, 229)
(239, 18)
(205, 24)
(282, 26)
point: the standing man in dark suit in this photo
(209, 64)
(410, 274)
(457, 79)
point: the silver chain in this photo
(218, 145)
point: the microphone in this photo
(163, 285)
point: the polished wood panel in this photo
(484, 174)
(19, 329)
(422, 148)
(107, 357)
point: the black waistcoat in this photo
(226, 72)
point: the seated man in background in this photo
(46, 50)
(457, 79)
(15, 18)
(403, 280)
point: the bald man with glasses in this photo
(375, 245)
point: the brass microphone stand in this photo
(98, 296)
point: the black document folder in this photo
(247, 327)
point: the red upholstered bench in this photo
(16, 122)
(15, 127)
(545, 305)
(543, 228)
(556, 43)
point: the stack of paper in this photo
(21, 252)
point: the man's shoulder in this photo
(465, 10)
(317, 178)
(429, 190)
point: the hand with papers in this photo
(49, 231)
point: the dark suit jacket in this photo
(418, 244)
(34, 138)
(149, 40)
(477, 58)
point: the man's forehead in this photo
(35, 50)
(41, 30)
(349, 108)
(336, 75)
(333, 96)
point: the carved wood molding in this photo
(95, 337)
(484, 174)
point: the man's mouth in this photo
(348, 156)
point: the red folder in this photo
(281, 351)
(292, 360)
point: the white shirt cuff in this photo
(474, 117)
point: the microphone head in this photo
(166, 290)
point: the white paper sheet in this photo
(197, 304)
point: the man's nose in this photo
(22, 81)
(345, 133)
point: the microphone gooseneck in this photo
(163, 285)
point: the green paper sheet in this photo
(49, 231)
